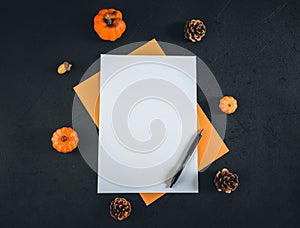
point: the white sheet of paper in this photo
(148, 117)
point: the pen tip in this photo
(200, 131)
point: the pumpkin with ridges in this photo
(228, 104)
(109, 24)
(64, 139)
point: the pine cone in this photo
(120, 208)
(226, 181)
(194, 30)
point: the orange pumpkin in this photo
(228, 104)
(109, 25)
(64, 139)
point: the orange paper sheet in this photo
(211, 146)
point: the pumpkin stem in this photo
(108, 20)
(64, 138)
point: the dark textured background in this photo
(252, 47)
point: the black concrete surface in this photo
(252, 47)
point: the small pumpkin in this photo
(109, 24)
(65, 140)
(228, 104)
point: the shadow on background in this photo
(206, 182)
(175, 31)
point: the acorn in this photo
(64, 67)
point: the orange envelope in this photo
(211, 146)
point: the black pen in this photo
(189, 153)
